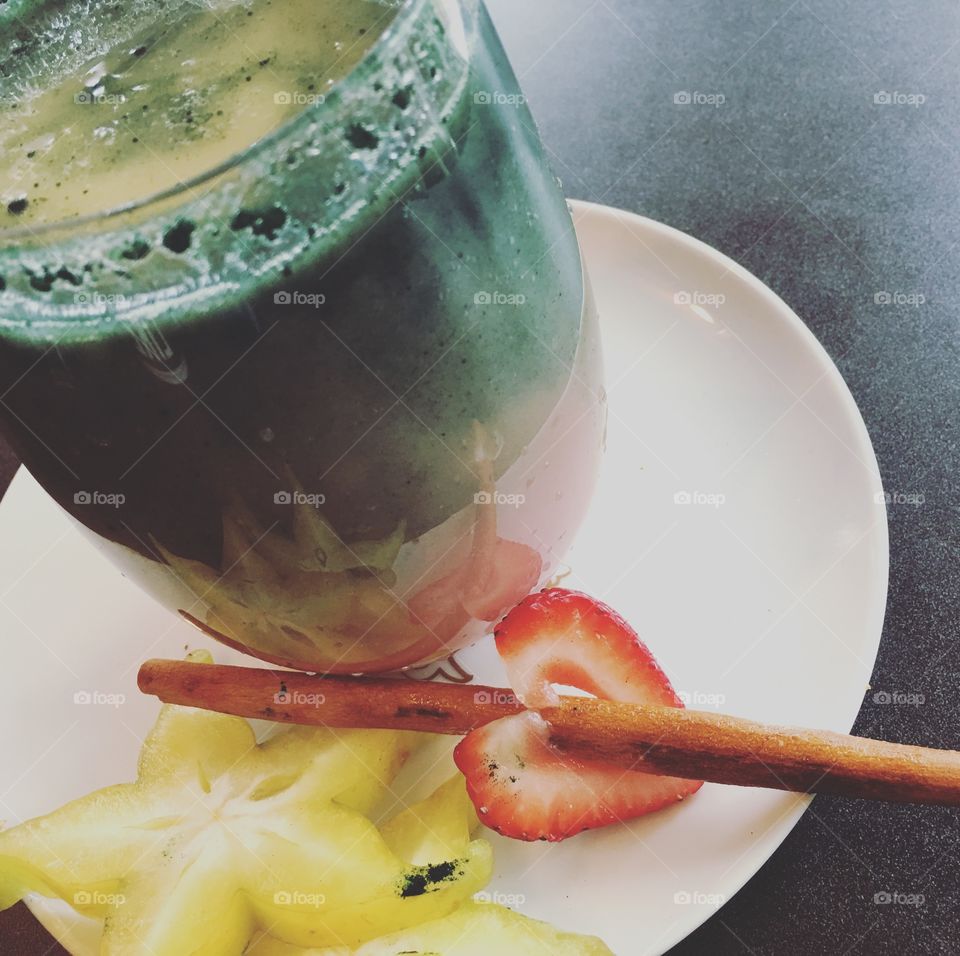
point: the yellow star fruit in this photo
(220, 836)
(473, 929)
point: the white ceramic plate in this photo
(738, 523)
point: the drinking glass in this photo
(338, 401)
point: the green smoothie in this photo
(333, 393)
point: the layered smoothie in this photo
(334, 392)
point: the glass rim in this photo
(389, 36)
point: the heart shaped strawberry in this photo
(520, 783)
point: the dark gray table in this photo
(826, 174)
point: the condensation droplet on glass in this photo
(267, 434)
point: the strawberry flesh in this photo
(565, 637)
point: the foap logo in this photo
(699, 298)
(298, 898)
(111, 499)
(299, 698)
(513, 900)
(698, 98)
(896, 898)
(494, 697)
(896, 98)
(498, 98)
(711, 499)
(98, 97)
(899, 698)
(698, 898)
(99, 698)
(499, 298)
(98, 898)
(700, 698)
(298, 498)
(498, 498)
(912, 498)
(914, 299)
(286, 297)
(110, 300)
(297, 98)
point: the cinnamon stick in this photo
(662, 740)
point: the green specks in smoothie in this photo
(261, 222)
(177, 237)
(138, 249)
(401, 99)
(361, 137)
(44, 281)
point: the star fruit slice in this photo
(220, 835)
(439, 827)
(473, 929)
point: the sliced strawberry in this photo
(565, 637)
(523, 786)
